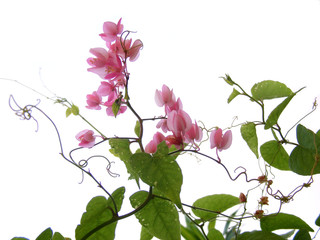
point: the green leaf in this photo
(228, 79)
(159, 216)
(234, 93)
(145, 234)
(161, 172)
(303, 157)
(115, 108)
(302, 161)
(193, 229)
(269, 89)
(259, 235)
(74, 110)
(137, 128)
(288, 234)
(100, 217)
(187, 233)
(274, 154)
(318, 221)
(45, 235)
(249, 134)
(282, 221)
(57, 236)
(214, 234)
(302, 234)
(216, 203)
(121, 149)
(19, 238)
(275, 114)
(68, 112)
(308, 139)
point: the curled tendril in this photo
(24, 113)
(84, 163)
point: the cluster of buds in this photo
(110, 65)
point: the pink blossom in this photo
(107, 65)
(111, 31)
(164, 97)
(151, 147)
(134, 51)
(94, 101)
(176, 106)
(163, 125)
(194, 134)
(179, 122)
(219, 140)
(105, 88)
(86, 138)
(99, 63)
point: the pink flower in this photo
(176, 106)
(179, 122)
(134, 51)
(219, 140)
(194, 134)
(164, 97)
(107, 65)
(94, 101)
(99, 63)
(86, 138)
(111, 31)
(151, 147)
(105, 89)
(163, 125)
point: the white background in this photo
(188, 45)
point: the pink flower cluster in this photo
(177, 121)
(183, 131)
(110, 64)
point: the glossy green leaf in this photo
(302, 161)
(137, 128)
(259, 235)
(232, 96)
(275, 114)
(216, 203)
(274, 154)
(317, 222)
(159, 171)
(282, 221)
(249, 134)
(159, 216)
(145, 234)
(302, 234)
(98, 220)
(45, 235)
(214, 234)
(269, 89)
(121, 149)
(57, 236)
(19, 238)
